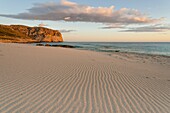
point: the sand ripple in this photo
(57, 80)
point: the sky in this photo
(94, 20)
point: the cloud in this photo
(66, 31)
(73, 12)
(68, 3)
(113, 26)
(144, 28)
(42, 25)
(151, 28)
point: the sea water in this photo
(153, 48)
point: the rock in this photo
(65, 46)
(117, 50)
(39, 34)
(47, 45)
(39, 44)
(21, 33)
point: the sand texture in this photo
(60, 80)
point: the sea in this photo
(150, 48)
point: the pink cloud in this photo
(70, 11)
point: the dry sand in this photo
(59, 80)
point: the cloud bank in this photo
(66, 31)
(151, 28)
(109, 16)
(73, 12)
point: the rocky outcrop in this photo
(20, 33)
(39, 34)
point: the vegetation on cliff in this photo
(20, 33)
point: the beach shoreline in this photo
(55, 79)
(137, 57)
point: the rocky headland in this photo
(21, 33)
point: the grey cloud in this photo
(152, 28)
(73, 12)
(110, 27)
(113, 26)
(66, 31)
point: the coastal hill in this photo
(21, 33)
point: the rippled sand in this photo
(59, 80)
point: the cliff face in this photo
(20, 33)
(39, 33)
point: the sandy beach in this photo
(64, 80)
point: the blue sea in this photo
(153, 48)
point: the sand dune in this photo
(59, 80)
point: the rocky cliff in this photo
(19, 33)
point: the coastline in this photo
(49, 79)
(137, 57)
(147, 48)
